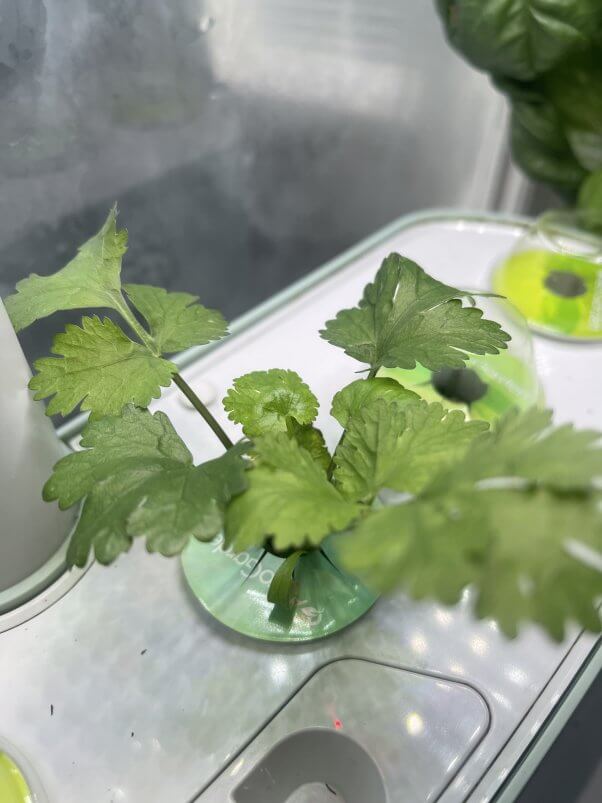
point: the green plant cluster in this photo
(546, 56)
(413, 495)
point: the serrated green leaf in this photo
(401, 449)
(311, 439)
(526, 446)
(279, 592)
(360, 394)
(91, 279)
(176, 320)
(138, 479)
(289, 498)
(101, 368)
(406, 316)
(263, 400)
(519, 516)
(512, 546)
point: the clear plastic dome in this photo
(490, 384)
(554, 277)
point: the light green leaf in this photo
(519, 517)
(405, 316)
(263, 400)
(311, 439)
(99, 367)
(176, 320)
(138, 479)
(402, 449)
(91, 279)
(279, 592)
(360, 394)
(289, 498)
(513, 547)
(526, 446)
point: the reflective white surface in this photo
(152, 699)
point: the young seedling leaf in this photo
(506, 518)
(176, 320)
(311, 439)
(354, 398)
(289, 498)
(138, 479)
(406, 316)
(279, 592)
(263, 400)
(401, 449)
(91, 279)
(101, 368)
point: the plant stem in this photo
(200, 407)
(372, 373)
(150, 344)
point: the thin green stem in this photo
(150, 344)
(200, 407)
(129, 317)
(372, 373)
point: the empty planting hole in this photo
(459, 385)
(319, 761)
(565, 284)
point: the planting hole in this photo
(565, 284)
(318, 765)
(459, 385)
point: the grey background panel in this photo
(128, 651)
(246, 142)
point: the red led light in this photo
(338, 724)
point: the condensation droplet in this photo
(206, 24)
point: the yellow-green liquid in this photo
(511, 383)
(13, 787)
(533, 282)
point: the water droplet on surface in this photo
(206, 24)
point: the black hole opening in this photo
(565, 284)
(459, 385)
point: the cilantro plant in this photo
(413, 495)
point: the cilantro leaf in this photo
(101, 368)
(401, 449)
(311, 439)
(510, 518)
(289, 498)
(353, 398)
(138, 479)
(263, 400)
(525, 445)
(176, 320)
(406, 316)
(91, 279)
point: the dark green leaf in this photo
(405, 317)
(138, 479)
(520, 38)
